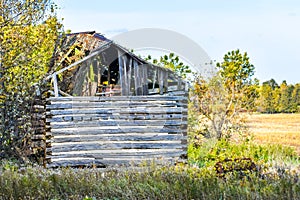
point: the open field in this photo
(276, 128)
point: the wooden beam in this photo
(137, 78)
(96, 52)
(121, 72)
(120, 98)
(161, 81)
(165, 77)
(125, 88)
(55, 85)
(145, 79)
(154, 78)
(129, 75)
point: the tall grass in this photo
(173, 182)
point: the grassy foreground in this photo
(154, 183)
(275, 176)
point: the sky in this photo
(268, 30)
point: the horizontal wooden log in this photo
(112, 130)
(117, 98)
(179, 93)
(104, 163)
(37, 144)
(118, 137)
(172, 90)
(38, 116)
(71, 104)
(92, 117)
(161, 110)
(60, 125)
(99, 145)
(100, 154)
(38, 137)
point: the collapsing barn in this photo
(112, 107)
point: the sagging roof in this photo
(84, 48)
(90, 40)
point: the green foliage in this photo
(279, 99)
(172, 62)
(220, 100)
(211, 151)
(28, 33)
(296, 98)
(209, 99)
(267, 101)
(236, 72)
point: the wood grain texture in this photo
(116, 130)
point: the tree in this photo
(296, 98)
(268, 96)
(285, 101)
(221, 99)
(236, 72)
(267, 103)
(28, 33)
(172, 62)
(283, 98)
(272, 83)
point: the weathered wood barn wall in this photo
(112, 107)
(116, 130)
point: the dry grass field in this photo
(276, 128)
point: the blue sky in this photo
(269, 30)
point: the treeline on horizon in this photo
(275, 98)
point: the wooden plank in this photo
(165, 83)
(105, 162)
(66, 105)
(118, 123)
(110, 153)
(133, 140)
(125, 85)
(112, 127)
(116, 160)
(117, 98)
(130, 99)
(154, 79)
(38, 137)
(162, 110)
(55, 84)
(78, 162)
(118, 137)
(145, 79)
(161, 81)
(116, 130)
(96, 117)
(93, 117)
(129, 75)
(147, 109)
(179, 85)
(123, 161)
(121, 72)
(137, 78)
(86, 146)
